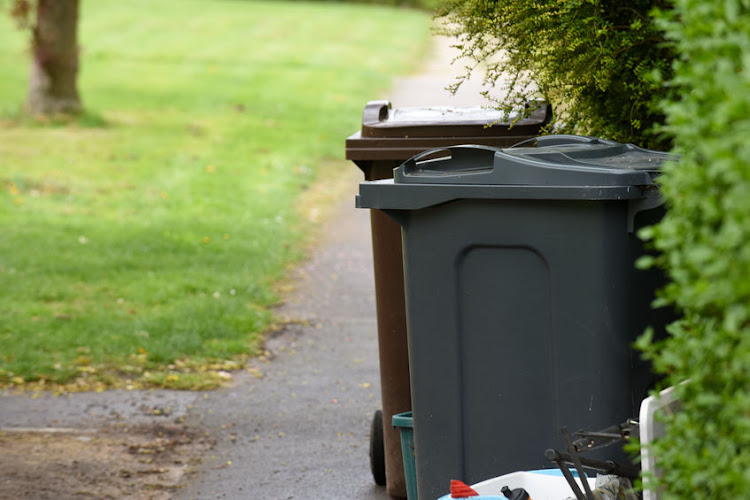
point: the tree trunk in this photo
(54, 65)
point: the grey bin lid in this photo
(559, 167)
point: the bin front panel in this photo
(519, 323)
(505, 370)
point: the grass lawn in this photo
(141, 244)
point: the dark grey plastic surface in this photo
(522, 301)
(587, 164)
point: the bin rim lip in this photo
(399, 149)
(386, 195)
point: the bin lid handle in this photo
(375, 112)
(448, 161)
(560, 140)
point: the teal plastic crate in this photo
(405, 423)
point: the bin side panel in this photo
(640, 303)
(392, 343)
(593, 280)
(391, 314)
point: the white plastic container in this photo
(652, 428)
(545, 484)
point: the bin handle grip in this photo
(459, 159)
(375, 112)
(652, 199)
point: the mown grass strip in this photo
(140, 243)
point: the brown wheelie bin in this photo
(388, 138)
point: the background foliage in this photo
(606, 66)
(705, 244)
(594, 60)
(425, 5)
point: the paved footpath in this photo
(302, 430)
(297, 427)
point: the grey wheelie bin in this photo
(389, 137)
(522, 297)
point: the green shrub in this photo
(705, 245)
(593, 60)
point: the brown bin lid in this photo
(379, 120)
(399, 134)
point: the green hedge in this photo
(595, 61)
(705, 245)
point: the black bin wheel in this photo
(377, 449)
